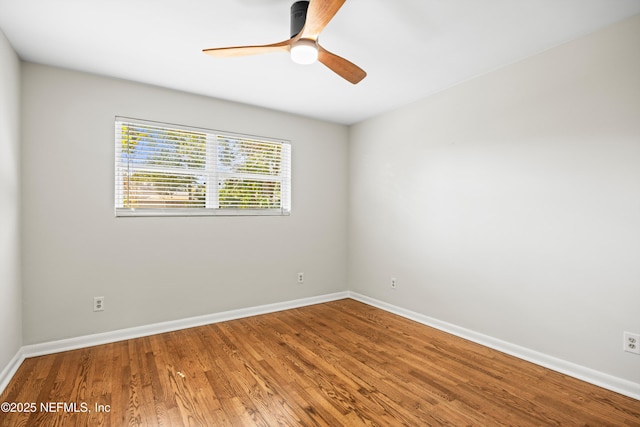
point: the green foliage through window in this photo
(164, 169)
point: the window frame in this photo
(212, 206)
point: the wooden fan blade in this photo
(225, 52)
(345, 69)
(319, 13)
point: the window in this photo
(164, 169)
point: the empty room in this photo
(319, 213)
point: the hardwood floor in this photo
(341, 363)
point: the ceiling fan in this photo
(308, 19)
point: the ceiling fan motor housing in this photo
(298, 16)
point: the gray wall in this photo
(159, 269)
(10, 290)
(509, 205)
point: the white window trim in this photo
(212, 208)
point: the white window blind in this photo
(164, 169)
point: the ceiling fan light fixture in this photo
(304, 52)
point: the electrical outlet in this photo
(98, 303)
(300, 278)
(394, 283)
(631, 342)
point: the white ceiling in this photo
(409, 48)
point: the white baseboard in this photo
(10, 370)
(174, 325)
(609, 382)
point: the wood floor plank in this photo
(338, 363)
(371, 386)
